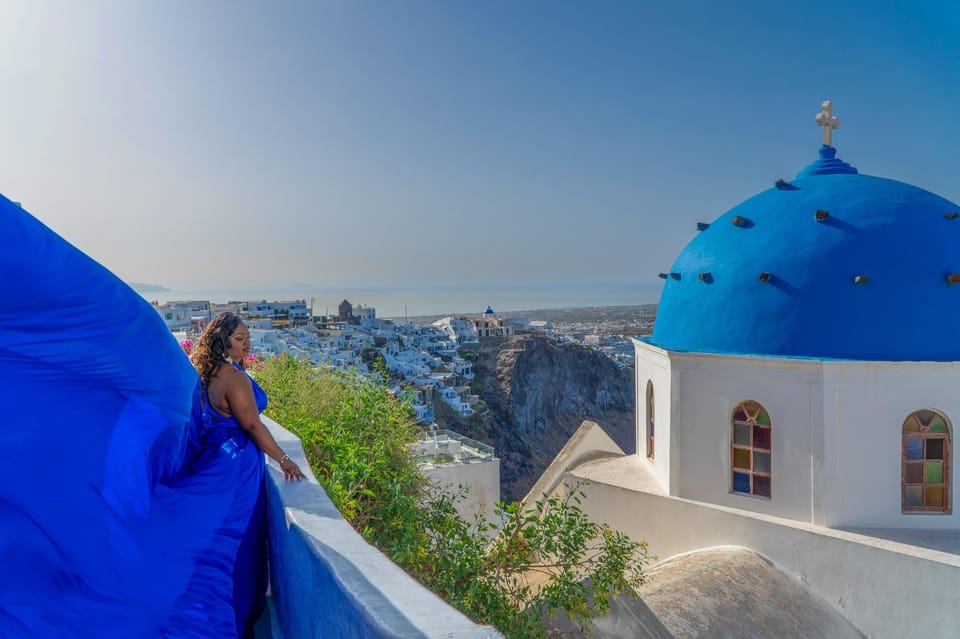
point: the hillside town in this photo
(421, 357)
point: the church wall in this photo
(836, 431)
(653, 364)
(864, 409)
(707, 390)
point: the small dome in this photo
(831, 265)
(489, 311)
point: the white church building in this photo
(800, 395)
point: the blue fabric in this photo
(120, 515)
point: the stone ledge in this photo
(327, 581)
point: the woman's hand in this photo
(291, 472)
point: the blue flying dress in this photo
(121, 514)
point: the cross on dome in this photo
(828, 121)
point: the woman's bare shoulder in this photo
(232, 375)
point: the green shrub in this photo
(535, 560)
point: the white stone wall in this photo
(886, 589)
(866, 403)
(481, 477)
(707, 390)
(836, 431)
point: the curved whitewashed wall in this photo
(887, 589)
(326, 581)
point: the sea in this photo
(398, 301)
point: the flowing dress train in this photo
(121, 515)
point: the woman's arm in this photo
(243, 406)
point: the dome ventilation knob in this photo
(952, 215)
(706, 278)
(953, 278)
(662, 276)
(821, 215)
(702, 226)
(861, 279)
(739, 220)
(765, 277)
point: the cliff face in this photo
(538, 393)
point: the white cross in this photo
(828, 121)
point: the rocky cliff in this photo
(537, 394)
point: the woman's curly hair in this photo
(211, 349)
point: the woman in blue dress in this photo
(231, 405)
(124, 513)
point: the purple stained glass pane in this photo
(741, 482)
(761, 437)
(915, 449)
(761, 486)
(740, 415)
(914, 473)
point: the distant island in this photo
(148, 288)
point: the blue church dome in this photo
(833, 264)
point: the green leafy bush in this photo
(534, 560)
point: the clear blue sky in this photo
(224, 143)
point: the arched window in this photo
(926, 462)
(650, 449)
(750, 451)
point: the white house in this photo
(459, 329)
(185, 315)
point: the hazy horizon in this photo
(425, 300)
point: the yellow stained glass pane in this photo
(741, 458)
(911, 425)
(933, 496)
(938, 425)
(751, 408)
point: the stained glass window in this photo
(750, 454)
(650, 449)
(925, 475)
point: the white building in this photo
(293, 310)
(798, 397)
(185, 315)
(450, 460)
(492, 325)
(459, 329)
